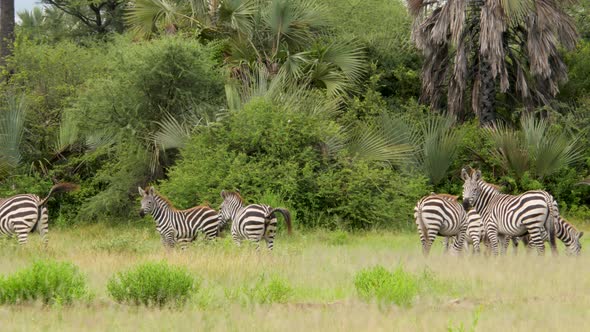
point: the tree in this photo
(489, 47)
(279, 35)
(6, 29)
(100, 16)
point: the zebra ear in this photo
(464, 174)
(152, 191)
(223, 194)
(580, 235)
(477, 175)
(141, 191)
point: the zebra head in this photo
(148, 201)
(232, 202)
(575, 246)
(471, 187)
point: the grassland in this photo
(511, 293)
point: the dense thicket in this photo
(332, 129)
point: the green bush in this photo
(399, 287)
(50, 282)
(266, 150)
(153, 284)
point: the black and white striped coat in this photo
(565, 232)
(440, 214)
(532, 212)
(21, 214)
(178, 226)
(253, 222)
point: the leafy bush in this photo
(50, 282)
(153, 284)
(399, 287)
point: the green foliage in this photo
(50, 282)
(264, 148)
(12, 119)
(361, 195)
(535, 147)
(153, 284)
(377, 283)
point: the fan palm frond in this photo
(12, 128)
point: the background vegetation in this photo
(301, 104)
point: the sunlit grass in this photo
(312, 274)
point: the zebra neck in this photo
(488, 193)
(161, 212)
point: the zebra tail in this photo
(60, 187)
(550, 223)
(285, 214)
(423, 227)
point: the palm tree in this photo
(279, 35)
(490, 47)
(6, 29)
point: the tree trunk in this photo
(6, 29)
(487, 97)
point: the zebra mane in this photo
(161, 198)
(487, 184)
(446, 196)
(227, 194)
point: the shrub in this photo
(398, 287)
(153, 284)
(50, 282)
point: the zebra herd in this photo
(494, 219)
(22, 214)
(252, 222)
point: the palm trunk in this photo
(6, 29)
(487, 97)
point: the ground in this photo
(522, 292)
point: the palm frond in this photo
(12, 127)
(509, 148)
(67, 136)
(145, 16)
(549, 151)
(368, 143)
(438, 146)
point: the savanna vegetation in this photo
(344, 112)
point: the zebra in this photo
(565, 232)
(440, 214)
(507, 215)
(253, 222)
(178, 226)
(21, 214)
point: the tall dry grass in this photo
(505, 293)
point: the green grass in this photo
(307, 283)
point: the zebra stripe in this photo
(178, 226)
(253, 222)
(21, 214)
(565, 232)
(507, 215)
(440, 215)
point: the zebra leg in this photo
(236, 238)
(503, 240)
(476, 249)
(269, 237)
(446, 241)
(183, 243)
(44, 225)
(537, 240)
(492, 232)
(515, 245)
(22, 228)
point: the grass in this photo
(307, 283)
